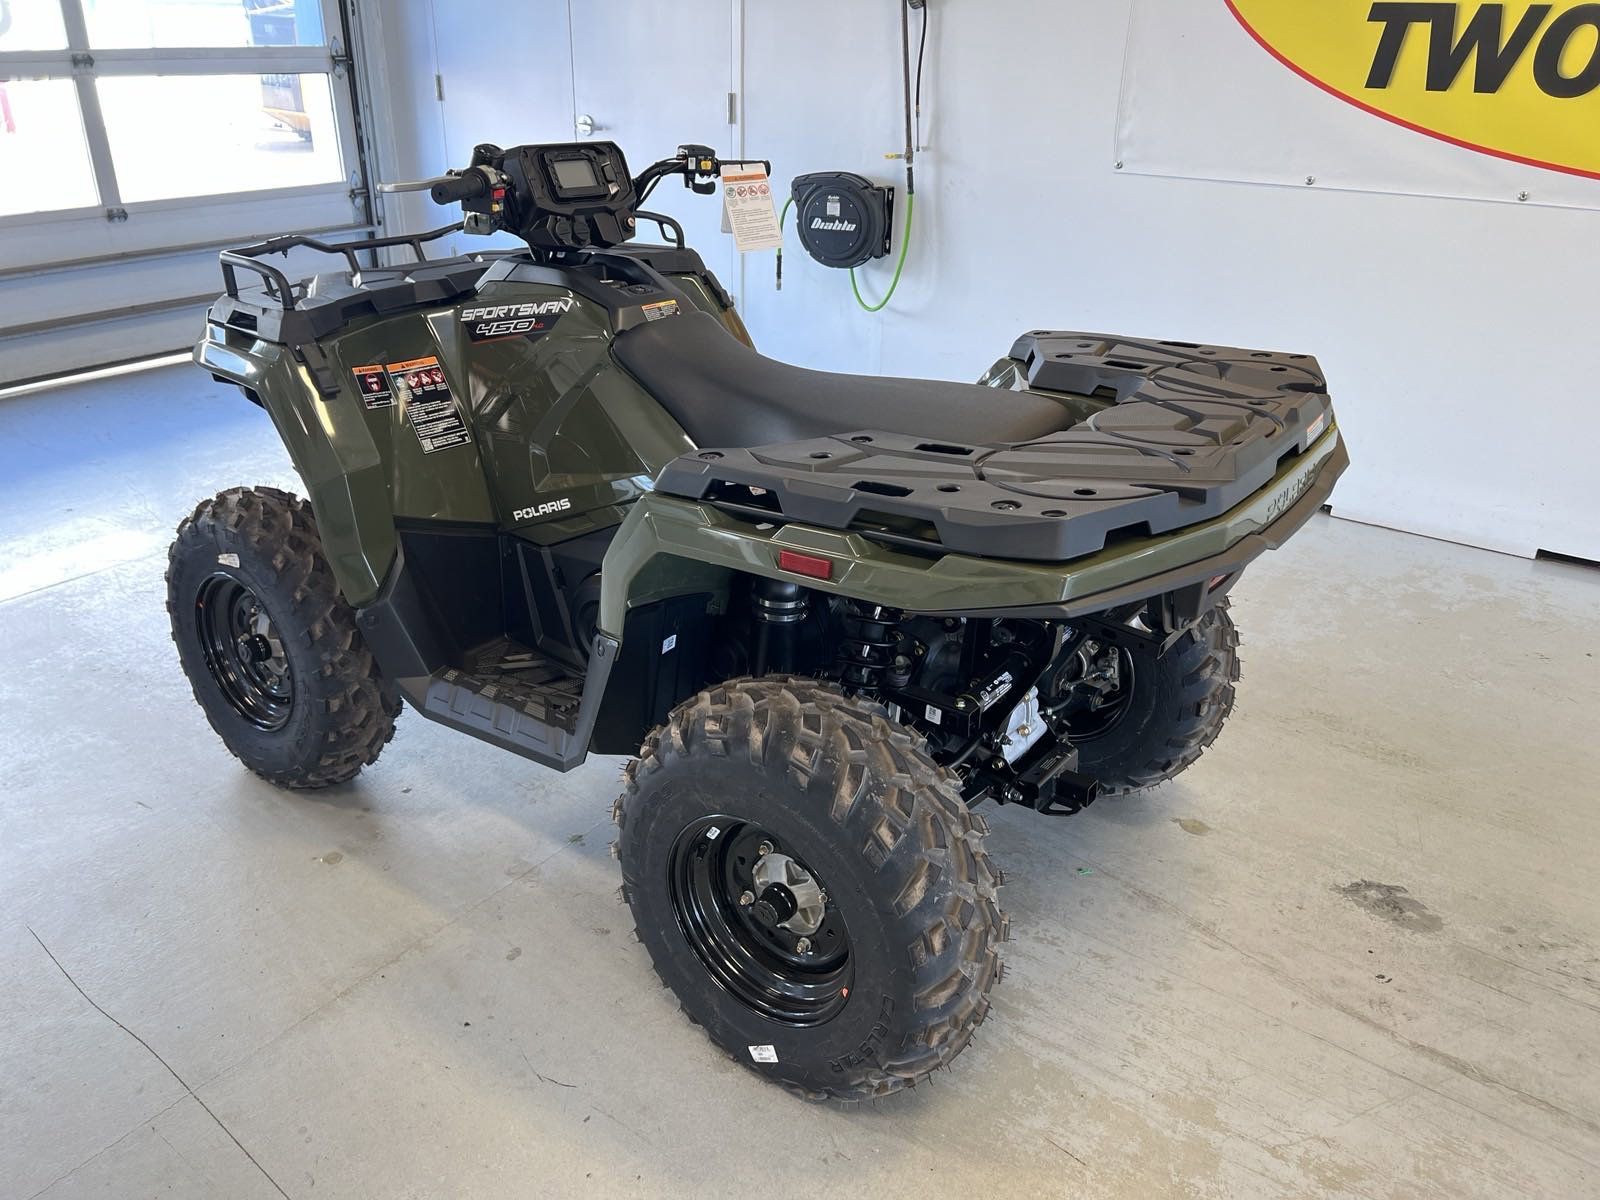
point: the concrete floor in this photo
(1352, 953)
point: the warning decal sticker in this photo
(659, 309)
(373, 385)
(747, 211)
(422, 390)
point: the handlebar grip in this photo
(468, 186)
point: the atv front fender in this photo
(670, 546)
(331, 448)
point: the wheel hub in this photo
(789, 897)
(1096, 690)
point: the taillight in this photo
(810, 565)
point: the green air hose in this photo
(899, 266)
(900, 263)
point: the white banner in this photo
(1363, 96)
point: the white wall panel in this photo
(1192, 106)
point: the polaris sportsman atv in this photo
(557, 501)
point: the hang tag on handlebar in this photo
(747, 209)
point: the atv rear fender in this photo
(670, 546)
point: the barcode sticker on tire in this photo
(228, 560)
(764, 1054)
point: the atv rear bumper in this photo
(669, 545)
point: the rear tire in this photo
(786, 767)
(270, 647)
(1176, 708)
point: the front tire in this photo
(767, 813)
(270, 647)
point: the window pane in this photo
(31, 25)
(148, 24)
(44, 163)
(204, 135)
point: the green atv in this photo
(557, 501)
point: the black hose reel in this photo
(844, 219)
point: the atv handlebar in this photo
(699, 166)
(569, 195)
(468, 185)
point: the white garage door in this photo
(137, 137)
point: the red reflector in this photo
(805, 564)
(1217, 581)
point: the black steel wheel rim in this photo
(243, 652)
(770, 969)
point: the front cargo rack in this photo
(296, 314)
(277, 283)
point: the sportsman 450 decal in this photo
(489, 321)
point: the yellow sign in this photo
(1517, 80)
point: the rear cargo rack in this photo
(1189, 432)
(277, 283)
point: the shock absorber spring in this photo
(867, 649)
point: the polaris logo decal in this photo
(489, 321)
(838, 226)
(542, 510)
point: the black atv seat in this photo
(725, 394)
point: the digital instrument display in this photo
(574, 174)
